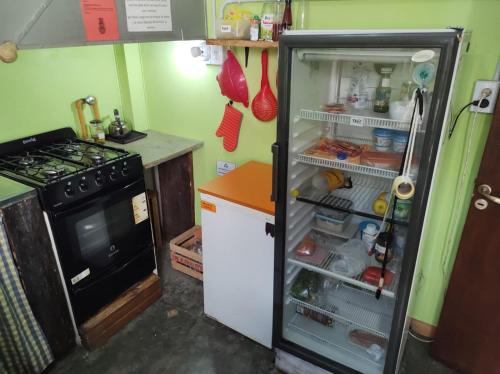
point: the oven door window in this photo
(103, 234)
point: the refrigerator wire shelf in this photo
(358, 118)
(356, 282)
(358, 200)
(342, 165)
(357, 307)
(336, 337)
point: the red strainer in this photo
(264, 104)
(232, 81)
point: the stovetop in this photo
(66, 169)
(50, 163)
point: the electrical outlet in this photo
(216, 55)
(490, 90)
(224, 167)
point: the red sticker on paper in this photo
(100, 20)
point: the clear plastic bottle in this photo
(301, 15)
(267, 21)
(279, 8)
(383, 92)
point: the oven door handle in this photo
(108, 274)
(118, 195)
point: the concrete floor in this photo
(193, 343)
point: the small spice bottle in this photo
(254, 28)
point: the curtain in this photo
(23, 346)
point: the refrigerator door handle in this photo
(276, 150)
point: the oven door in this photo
(101, 235)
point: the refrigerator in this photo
(362, 116)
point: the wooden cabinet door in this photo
(468, 334)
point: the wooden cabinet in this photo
(34, 258)
(61, 23)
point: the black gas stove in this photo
(64, 168)
(95, 206)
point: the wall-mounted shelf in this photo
(242, 43)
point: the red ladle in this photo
(264, 104)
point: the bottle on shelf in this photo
(383, 92)
(277, 20)
(300, 19)
(255, 28)
(286, 23)
(267, 21)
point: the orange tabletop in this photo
(248, 185)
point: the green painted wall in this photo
(184, 99)
(37, 90)
(158, 85)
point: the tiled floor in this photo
(192, 343)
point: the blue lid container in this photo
(383, 133)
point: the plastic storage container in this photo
(382, 139)
(230, 29)
(399, 141)
(331, 220)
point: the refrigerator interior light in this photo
(385, 56)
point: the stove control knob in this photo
(113, 174)
(125, 169)
(69, 191)
(99, 179)
(84, 186)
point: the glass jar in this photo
(98, 133)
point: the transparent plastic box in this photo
(229, 29)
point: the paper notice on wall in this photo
(140, 207)
(99, 20)
(148, 15)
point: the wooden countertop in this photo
(158, 147)
(249, 185)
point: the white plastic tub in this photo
(335, 223)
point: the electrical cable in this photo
(452, 227)
(477, 103)
(414, 336)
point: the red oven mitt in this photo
(229, 127)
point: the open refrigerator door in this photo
(357, 142)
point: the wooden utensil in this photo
(81, 118)
(264, 104)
